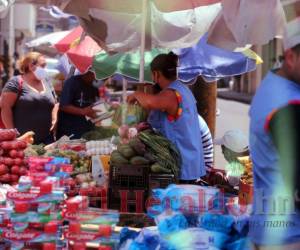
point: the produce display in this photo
(12, 163)
(80, 161)
(165, 155)
(142, 146)
(247, 177)
(100, 133)
(99, 147)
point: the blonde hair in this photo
(27, 60)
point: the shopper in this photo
(274, 147)
(27, 101)
(207, 142)
(234, 144)
(76, 100)
(174, 114)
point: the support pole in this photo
(143, 41)
(206, 96)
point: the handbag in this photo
(20, 87)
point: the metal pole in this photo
(11, 38)
(143, 40)
(124, 94)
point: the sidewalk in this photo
(234, 96)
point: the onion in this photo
(132, 132)
(123, 131)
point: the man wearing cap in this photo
(274, 147)
(234, 145)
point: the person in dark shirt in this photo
(76, 101)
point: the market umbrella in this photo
(213, 63)
(234, 23)
(202, 59)
(45, 44)
(69, 40)
(82, 55)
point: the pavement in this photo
(233, 115)
(228, 94)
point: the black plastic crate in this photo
(129, 176)
(131, 203)
(160, 180)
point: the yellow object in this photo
(27, 137)
(252, 55)
(105, 162)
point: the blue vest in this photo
(274, 92)
(184, 132)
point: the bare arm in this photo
(8, 100)
(164, 101)
(70, 109)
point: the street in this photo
(233, 115)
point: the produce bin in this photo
(161, 180)
(129, 176)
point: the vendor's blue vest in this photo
(184, 132)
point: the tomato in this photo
(21, 154)
(15, 170)
(14, 178)
(18, 161)
(8, 134)
(5, 178)
(5, 145)
(21, 145)
(3, 169)
(23, 171)
(8, 161)
(13, 153)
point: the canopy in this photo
(208, 61)
(177, 23)
(45, 44)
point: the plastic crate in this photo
(128, 176)
(161, 180)
(133, 200)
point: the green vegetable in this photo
(100, 133)
(156, 168)
(126, 151)
(138, 146)
(134, 114)
(162, 150)
(139, 160)
(117, 158)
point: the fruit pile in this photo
(247, 177)
(12, 163)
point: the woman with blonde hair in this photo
(28, 102)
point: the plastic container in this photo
(161, 180)
(128, 176)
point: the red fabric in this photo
(82, 55)
(64, 44)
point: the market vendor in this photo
(174, 114)
(77, 98)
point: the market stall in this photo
(114, 189)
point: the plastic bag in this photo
(187, 199)
(134, 114)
